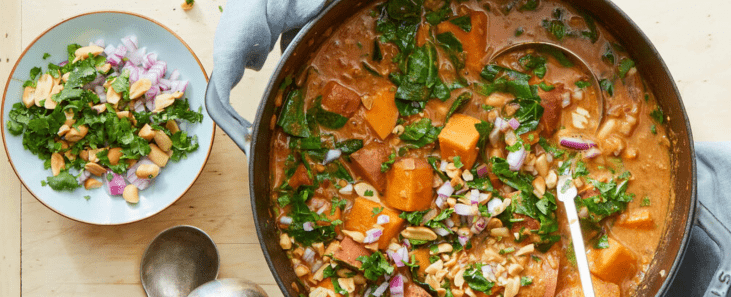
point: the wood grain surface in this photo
(45, 254)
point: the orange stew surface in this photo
(407, 160)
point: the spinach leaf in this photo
(453, 47)
(592, 33)
(624, 66)
(414, 217)
(602, 242)
(439, 15)
(409, 108)
(483, 128)
(657, 115)
(535, 63)
(464, 22)
(582, 84)
(608, 86)
(529, 114)
(529, 5)
(64, 181)
(292, 118)
(377, 55)
(420, 133)
(463, 99)
(474, 278)
(349, 146)
(301, 214)
(608, 56)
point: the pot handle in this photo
(221, 111)
(721, 235)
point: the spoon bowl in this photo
(556, 50)
(229, 287)
(177, 261)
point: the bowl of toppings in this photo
(395, 154)
(103, 118)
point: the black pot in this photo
(255, 142)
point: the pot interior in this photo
(650, 65)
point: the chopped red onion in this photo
(139, 106)
(445, 190)
(494, 136)
(150, 104)
(487, 272)
(285, 220)
(463, 210)
(461, 191)
(441, 231)
(396, 287)
(463, 240)
(383, 219)
(493, 205)
(576, 143)
(109, 50)
(515, 159)
(130, 42)
(317, 265)
(63, 63)
(482, 170)
(407, 243)
(116, 57)
(373, 235)
(443, 166)
(396, 258)
(404, 253)
(164, 84)
(116, 185)
(478, 226)
(440, 201)
(474, 196)
(148, 60)
(514, 123)
(381, 289)
(307, 226)
(178, 86)
(501, 124)
(152, 92)
(99, 42)
(175, 75)
(591, 153)
(331, 155)
(449, 222)
(309, 255)
(83, 176)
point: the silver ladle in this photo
(545, 46)
(184, 261)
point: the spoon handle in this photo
(579, 248)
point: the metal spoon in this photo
(229, 287)
(566, 193)
(547, 47)
(177, 261)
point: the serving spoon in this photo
(547, 47)
(177, 261)
(566, 194)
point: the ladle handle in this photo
(721, 235)
(220, 109)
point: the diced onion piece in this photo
(474, 196)
(449, 222)
(514, 123)
(501, 124)
(383, 219)
(494, 205)
(445, 190)
(440, 201)
(116, 185)
(441, 231)
(309, 255)
(487, 272)
(478, 226)
(332, 155)
(591, 153)
(348, 189)
(576, 143)
(463, 210)
(397, 259)
(482, 170)
(285, 220)
(407, 243)
(175, 75)
(99, 42)
(463, 240)
(83, 176)
(307, 226)
(515, 159)
(396, 286)
(130, 42)
(443, 166)
(373, 235)
(381, 289)
(404, 253)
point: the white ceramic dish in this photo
(174, 180)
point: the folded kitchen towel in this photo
(249, 29)
(704, 255)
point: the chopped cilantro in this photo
(476, 280)
(376, 210)
(385, 166)
(507, 250)
(645, 201)
(657, 115)
(368, 193)
(220, 8)
(602, 242)
(525, 281)
(582, 84)
(375, 266)
(653, 129)
(46, 56)
(624, 66)
(458, 162)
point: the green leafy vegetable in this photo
(645, 201)
(474, 278)
(582, 84)
(608, 86)
(420, 133)
(602, 242)
(64, 181)
(385, 166)
(349, 146)
(463, 22)
(624, 66)
(463, 99)
(375, 266)
(292, 118)
(657, 115)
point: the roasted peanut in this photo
(139, 88)
(57, 163)
(113, 96)
(95, 169)
(146, 132)
(99, 108)
(147, 171)
(301, 270)
(43, 88)
(542, 165)
(157, 156)
(131, 194)
(63, 130)
(172, 126)
(285, 242)
(162, 101)
(419, 233)
(76, 134)
(84, 52)
(92, 183)
(114, 154)
(163, 141)
(29, 96)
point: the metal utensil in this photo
(177, 261)
(229, 287)
(550, 47)
(566, 193)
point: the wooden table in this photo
(45, 254)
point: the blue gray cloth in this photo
(249, 29)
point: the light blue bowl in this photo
(174, 180)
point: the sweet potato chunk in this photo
(613, 263)
(551, 102)
(421, 257)
(459, 138)
(545, 277)
(367, 163)
(300, 177)
(601, 289)
(639, 218)
(413, 290)
(383, 114)
(473, 42)
(362, 219)
(409, 185)
(339, 99)
(349, 251)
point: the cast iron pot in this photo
(255, 141)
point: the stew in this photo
(407, 162)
